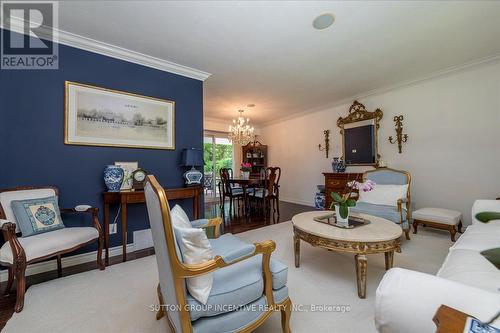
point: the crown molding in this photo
(117, 52)
(378, 91)
(216, 120)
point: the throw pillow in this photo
(486, 217)
(493, 256)
(387, 195)
(179, 217)
(196, 249)
(36, 216)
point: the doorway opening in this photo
(217, 154)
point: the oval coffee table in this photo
(379, 236)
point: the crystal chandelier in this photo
(240, 132)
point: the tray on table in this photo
(330, 219)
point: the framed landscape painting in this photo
(103, 117)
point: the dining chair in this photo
(229, 191)
(248, 283)
(269, 195)
(231, 175)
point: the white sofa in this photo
(406, 300)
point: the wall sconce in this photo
(326, 148)
(400, 137)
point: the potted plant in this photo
(245, 170)
(343, 203)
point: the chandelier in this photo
(240, 132)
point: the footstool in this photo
(438, 218)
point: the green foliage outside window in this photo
(223, 157)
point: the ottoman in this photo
(439, 218)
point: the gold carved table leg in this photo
(296, 243)
(361, 267)
(389, 259)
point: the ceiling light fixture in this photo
(323, 21)
(240, 131)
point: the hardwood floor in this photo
(233, 225)
(240, 223)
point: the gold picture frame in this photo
(359, 114)
(96, 116)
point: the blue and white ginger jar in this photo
(113, 177)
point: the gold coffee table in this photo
(379, 236)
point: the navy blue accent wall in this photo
(32, 130)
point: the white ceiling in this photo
(267, 53)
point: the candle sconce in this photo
(326, 148)
(400, 137)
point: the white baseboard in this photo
(77, 259)
(143, 239)
(297, 201)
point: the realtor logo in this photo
(29, 35)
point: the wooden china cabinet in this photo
(337, 182)
(255, 153)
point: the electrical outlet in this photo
(112, 228)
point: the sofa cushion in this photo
(387, 212)
(485, 206)
(50, 242)
(471, 268)
(487, 217)
(479, 237)
(493, 256)
(438, 215)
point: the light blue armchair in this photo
(400, 213)
(248, 285)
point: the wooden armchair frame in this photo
(216, 223)
(17, 269)
(181, 271)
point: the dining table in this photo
(246, 183)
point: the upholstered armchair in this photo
(399, 212)
(19, 250)
(248, 285)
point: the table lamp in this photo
(192, 157)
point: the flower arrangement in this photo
(246, 167)
(345, 201)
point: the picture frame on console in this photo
(96, 116)
(128, 169)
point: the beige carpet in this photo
(119, 298)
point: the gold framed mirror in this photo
(359, 131)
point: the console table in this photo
(337, 182)
(123, 198)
